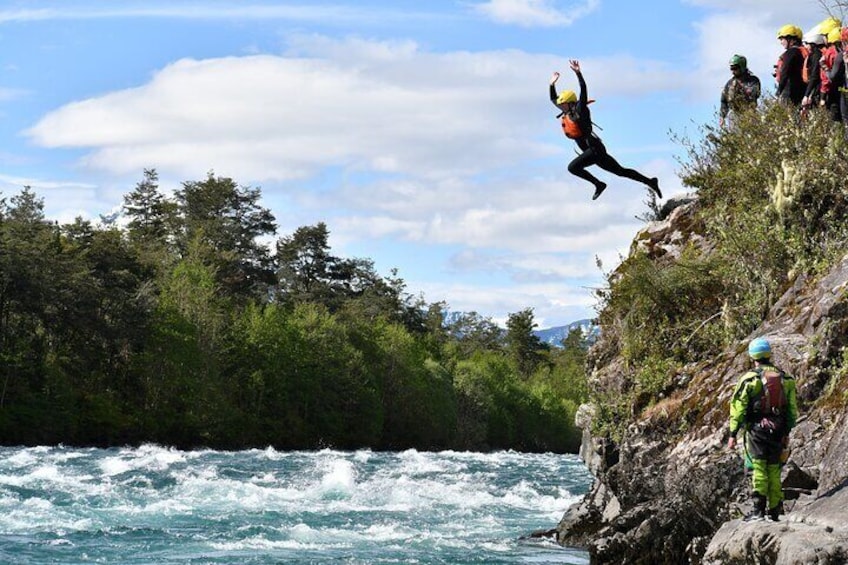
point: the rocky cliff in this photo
(669, 491)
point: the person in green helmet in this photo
(741, 92)
(765, 406)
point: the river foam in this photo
(153, 504)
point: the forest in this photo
(174, 324)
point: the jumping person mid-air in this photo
(577, 125)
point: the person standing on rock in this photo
(765, 406)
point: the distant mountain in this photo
(554, 336)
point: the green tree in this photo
(417, 393)
(227, 221)
(334, 394)
(568, 368)
(308, 272)
(263, 364)
(306, 267)
(471, 333)
(151, 214)
(525, 348)
(185, 396)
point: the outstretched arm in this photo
(575, 66)
(553, 92)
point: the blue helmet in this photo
(759, 348)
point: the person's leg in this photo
(759, 486)
(608, 163)
(844, 102)
(833, 104)
(577, 167)
(775, 491)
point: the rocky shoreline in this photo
(670, 492)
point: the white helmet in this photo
(814, 38)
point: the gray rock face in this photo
(670, 491)
(815, 534)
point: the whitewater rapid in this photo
(156, 505)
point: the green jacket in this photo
(750, 386)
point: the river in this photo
(156, 505)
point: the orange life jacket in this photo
(570, 128)
(778, 68)
(805, 71)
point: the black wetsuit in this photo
(813, 76)
(835, 100)
(790, 82)
(593, 150)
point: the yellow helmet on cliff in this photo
(566, 96)
(790, 30)
(829, 25)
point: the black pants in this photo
(765, 439)
(834, 104)
(843, 101)
(596, 154)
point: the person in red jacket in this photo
(833, 74)
(577, 125)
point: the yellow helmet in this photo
(566, 96)
(790, 30)
(834, 35)
(829, 25)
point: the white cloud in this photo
(774, 13)
(534, 13)
(494, 214)
(307, 13)
(364, 106)
(429, 148)
(527, 266)
(266, 117)
(76, 198)
(552, 303)
(14, 183)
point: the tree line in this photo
(181, 327)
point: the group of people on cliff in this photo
(809, 74)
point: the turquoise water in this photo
(156, 505)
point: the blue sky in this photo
(420, 132)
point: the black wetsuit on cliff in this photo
(593, 150)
